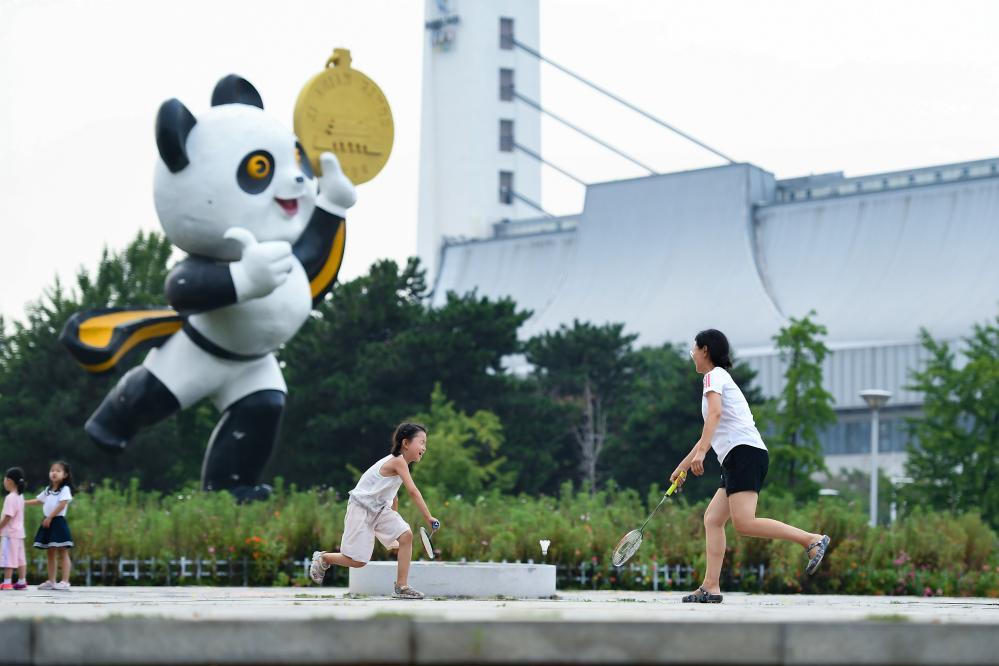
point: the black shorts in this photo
(744, 468)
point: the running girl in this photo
(730, 430)
(54, 536)
(372, 511)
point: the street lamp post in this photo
(875, 399)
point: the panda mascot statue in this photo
(264, 239)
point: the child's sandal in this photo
(702, 596)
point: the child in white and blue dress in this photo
(54, 535)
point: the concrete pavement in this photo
(203, 625)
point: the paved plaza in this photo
(238, 625)
(261, 603)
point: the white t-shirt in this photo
(736, 425)
(50, 500)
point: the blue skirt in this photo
(56, 535)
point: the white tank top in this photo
(374, 491)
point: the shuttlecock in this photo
(544, 546)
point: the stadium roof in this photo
(735, 249)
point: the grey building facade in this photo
(877, 257)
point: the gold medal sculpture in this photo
(342, 111)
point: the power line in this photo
(538, 157)
(619, 100)
(530, 102)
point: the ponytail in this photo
(403, 432)
(16, 474)
(717, 345)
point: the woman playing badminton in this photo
(730, 430)
(372, 511)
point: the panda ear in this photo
(235, 89)
(173, 123)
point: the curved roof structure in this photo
(876, 257)
(664, 254)
(879, 266)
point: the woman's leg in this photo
(715, 518)
(405, 556)
(66, 565)
(51, 553)
(742, 506)
(7, 573)
(22, 574)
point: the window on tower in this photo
(506, 33)
(506, 136)
(506, 85)
(506, 187)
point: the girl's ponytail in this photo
(16, 474)
(403, 432)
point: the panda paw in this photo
(262, 268)
(336, 192)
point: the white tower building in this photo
(471, 173)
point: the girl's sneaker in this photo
(317, 570)
(406, 592)
(6, 586)
(61, 585)
(47, 585)
(20, 585)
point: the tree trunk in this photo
(591, 434)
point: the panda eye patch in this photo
(255, 171)
(303, 161)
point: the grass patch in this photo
(888, 617)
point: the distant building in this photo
(733, 248)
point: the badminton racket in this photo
(630, 542)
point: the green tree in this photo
(45, 397)
(955, 461)
(540, 450)
(661, 420)
(802, 410)
(371, 355)
(590, 368)
(462, 450)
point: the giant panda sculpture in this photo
(264, 239)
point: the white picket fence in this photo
(105, 570)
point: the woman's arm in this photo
(710, 425)
(402, 469)
(32, 502)
(695, 459)
(395, 503)
(4, 521)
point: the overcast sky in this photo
(793, 86)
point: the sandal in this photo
(822, 546)
(406, 592)
(702, 596)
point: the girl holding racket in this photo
(372, 512)
(730, 430)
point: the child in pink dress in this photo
(12, 531)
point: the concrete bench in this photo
(459, 579)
